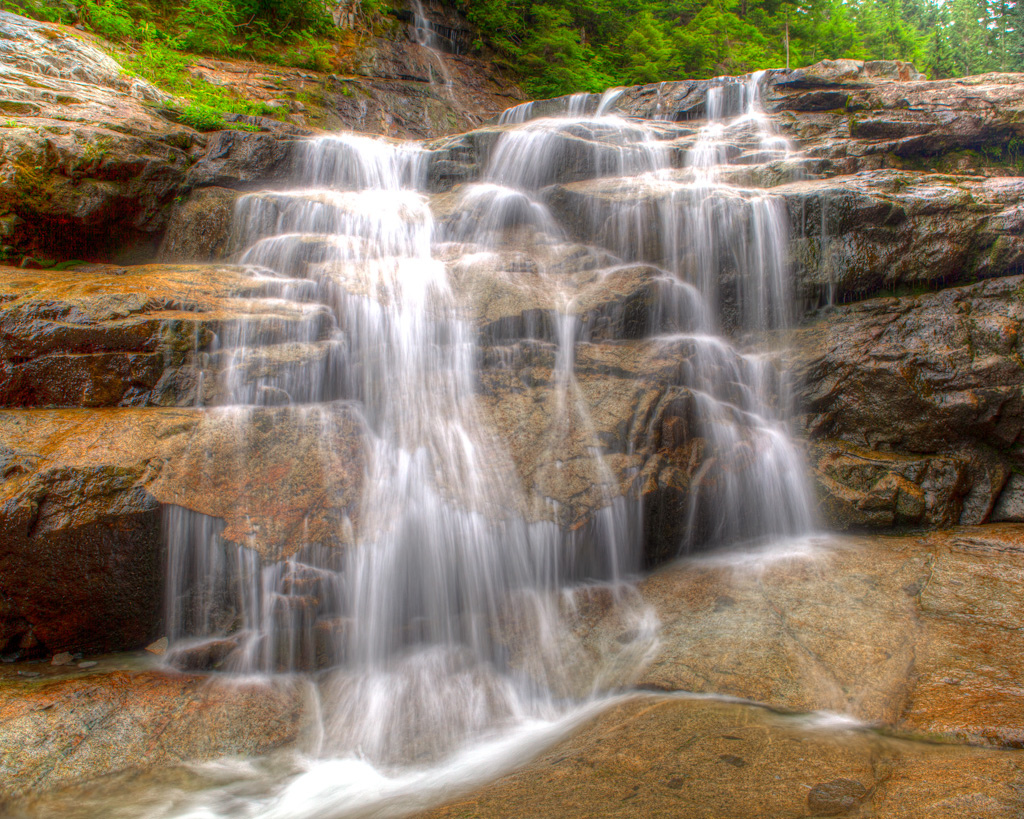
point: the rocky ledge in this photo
(61, 732)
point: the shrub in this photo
(202, 117)
(110, 18)
(207, 25)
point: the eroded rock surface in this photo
(913, 405)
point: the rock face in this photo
(115, 427)
(89, 164)
(911, 406)
(914, 405)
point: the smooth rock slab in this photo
(657, 756)
(917, 633)
(55, 734)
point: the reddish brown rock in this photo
(652, 756)
(101, 335)
(915, 633)
(81, 502)
(914, 405)
(58, 733)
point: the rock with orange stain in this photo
(915, 633)
(914, 406)
(80, 507)
(70, 731)
(665, 756)
(102, 335)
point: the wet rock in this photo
(1010, 506)
(626, 762)
(79, 729)
(199, 228)
(207, 656)
(914, 405)
(853, 236)
(82, 494)
(106, 336)
(242, 159)
(89, 529)
(852, 116)
(901, 632)
(850, 236)
(158, 646)
(507, 299)
(835, 797)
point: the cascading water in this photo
(436, 611)
(425, 34)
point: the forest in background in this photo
(562, 46)
(559, 46)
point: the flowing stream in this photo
(432, 632)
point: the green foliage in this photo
(202, 117)
(564, 46)
(167, 68)
(158, 37)
(296, 33)
(207, 25)
(109, 18)
(561, 47)
(50, 11)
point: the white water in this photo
(442, 633)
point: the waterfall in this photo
(425, 34)
(437, 609)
